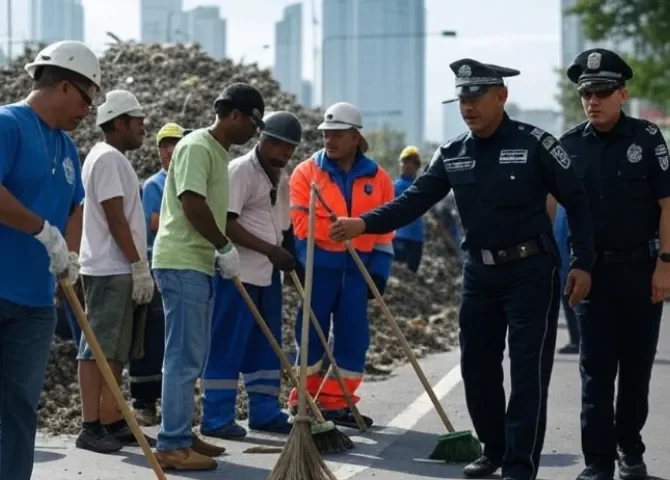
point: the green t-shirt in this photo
(199, 164)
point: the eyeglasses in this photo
(84, 95)
(587, 94)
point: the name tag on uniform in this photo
(458, 164)
(513, 156)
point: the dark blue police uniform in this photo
(625, 172)
(511, 272)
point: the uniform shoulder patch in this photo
(561, 156)
(651, 128)
(574, 130)
(661, 152)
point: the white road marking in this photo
(404, 421)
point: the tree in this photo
(385, 147)
(568, 99)
(645, 24)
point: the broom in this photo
(360, 423)
(327, 438)
(300, 459)
(107, 374)
(453, 446)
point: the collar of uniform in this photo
(363, 165)
(506, 126)
(623, 127)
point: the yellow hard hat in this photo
(169, 130)
(410, 151)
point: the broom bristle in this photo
(300, 459)
(457, 447)
(328, 439)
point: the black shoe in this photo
(632, 467)
(482, 467)
(345, 418)
(594, 473)
(122, 432)
(569, 349)
(97, 440)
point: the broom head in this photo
(300, 458)
(328, 439)
(457, 447)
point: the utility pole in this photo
(315, 60)
(9, 30)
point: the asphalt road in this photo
(407, 431)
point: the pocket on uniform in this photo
(510, 190)
(636, 185)
(462, 178)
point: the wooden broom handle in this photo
(392, 323)
(109, 378)
(275, 346)
(331, 358)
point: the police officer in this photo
(501, 172)
(624, 165)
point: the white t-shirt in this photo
(249, 197)
(106, 174)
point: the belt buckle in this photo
(523, 251)
(487, 257)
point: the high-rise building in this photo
(288, 51)
(205, 26)
(54, 20)
(162, 21)
(306, 95)
(374, 57)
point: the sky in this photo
(519, 34)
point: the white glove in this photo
(72, 274)
(228, 261)
(53, 241)
(143, 284)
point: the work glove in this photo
(143, 284)
(281, 258)
(72, 273)
(228, 261)
(380, 283)
(53, 241)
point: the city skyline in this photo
(499, 36)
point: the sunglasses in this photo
(84, 95)
(601, 94)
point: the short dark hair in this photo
(49, 76)
(164, 142)
(110, 127)
(223, 109)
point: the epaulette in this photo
(457, 138)
(650, 127)
(579, 128)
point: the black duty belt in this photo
(526, 249)
(619, 256)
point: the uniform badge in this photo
(548, 142)
(651, 129)
(68, 169)
(593, 61)
(661, 152)
(367, 188)
(513, 156)
(465, 71)
(561, 156)
(634, 153)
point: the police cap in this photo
(474, 78)
(599, 68)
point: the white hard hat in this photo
(343, 116)
(117, 103)
(70, 55)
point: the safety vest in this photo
(365, 187)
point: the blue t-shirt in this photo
(413, 231)
(40, 167)
(152, 195)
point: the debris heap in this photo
(174, 83)
(179, 83)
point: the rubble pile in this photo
(174, 83)
(179, 83)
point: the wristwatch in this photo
(664, 257)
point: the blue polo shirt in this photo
(40, 167)
(152, 195)
(413, 231)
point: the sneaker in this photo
(230, 431)
(122, 432)
(97, 440)
(569, 349)
(595, 473)
(345, 418)
(280, 424)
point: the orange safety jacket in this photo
(365, 187)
